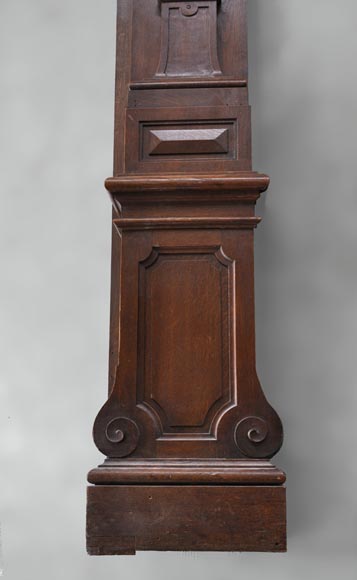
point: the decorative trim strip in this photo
(167, 1)
(189, 84)
(213, 471)
(186, 223)
(196, 182)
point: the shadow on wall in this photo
(293, 305)
(265, 49)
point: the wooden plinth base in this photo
(123, 519)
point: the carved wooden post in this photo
(186, 430)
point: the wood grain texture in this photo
(198, 327)
(242, 182)
(186, 223)
(186, 430)
(201, 140)
(188, 39)
(184, 471)
(141, 121)
(124, 519)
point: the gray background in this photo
(57, 82)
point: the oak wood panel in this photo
(190, 290)
(188, 39)
(249, 427)
(123, 519)
(163, 96)
(200, 140)
(146, 48)
(140, 121)
(186, 429)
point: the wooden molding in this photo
(186, 223)
(186, 429)
(213, 471)
(188, 84)
(234, 182)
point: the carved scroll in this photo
(186, 429)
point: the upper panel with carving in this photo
(177, 39)
(176, 58)
(189, 39)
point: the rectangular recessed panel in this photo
(176, 139)
(189, 39)
(204, 139)
(184, 339)
(187, 141)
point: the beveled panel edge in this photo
(237, 472)
(206, 428)
(237, 181)
(167, 142)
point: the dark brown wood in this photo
(209, 471)
(188, 39)
(124, 519)
(191, 84)
(235, 120)
(187, 430)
